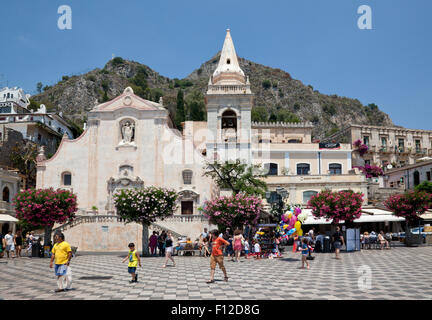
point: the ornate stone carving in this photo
(188, 195)
(128, 132)
(125, 182)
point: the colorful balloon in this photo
(291, 231)
(297, 211)
(300, 232)
(302, 217)
(297, 225)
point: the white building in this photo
(40, 127)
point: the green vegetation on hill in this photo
(277, 96)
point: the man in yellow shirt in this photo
(61, 255)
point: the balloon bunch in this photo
(291, 223)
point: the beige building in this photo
(131, 142)
(393, 146)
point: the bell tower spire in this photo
(228, 70)
(229, 102)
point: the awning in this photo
(7, 218)
(378, 218)
(376, 211)
(314, 220)
(368, 215)
(426, 216)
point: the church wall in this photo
(72, 157)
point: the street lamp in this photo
(276, 200)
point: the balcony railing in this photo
(6, 207)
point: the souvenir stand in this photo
(266, 237)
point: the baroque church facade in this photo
(131, 142)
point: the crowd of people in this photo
(17, 246)
(216, 245)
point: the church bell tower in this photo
(229, 103)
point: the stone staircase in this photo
(105, 233)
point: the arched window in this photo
(229, 126)
(6, 194)
(66, 179)
(187, 176)
(271, 168)
(303, 168)
(307, 195)
(229, 120)
(335, 168)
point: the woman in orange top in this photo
(216, 255)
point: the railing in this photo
(187, 218)
(79, 219)
(6, 206)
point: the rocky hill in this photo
(274, 89)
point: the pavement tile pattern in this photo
(399, 273)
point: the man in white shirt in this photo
(311, 233)
(9, 243)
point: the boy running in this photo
(216, 255)
(134, 260)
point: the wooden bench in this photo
(192, 251)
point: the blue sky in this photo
(316, 41)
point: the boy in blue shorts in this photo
(304, 248)
(134, 260)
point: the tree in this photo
(23, 157)
(180, 113)
(409, 205)
(337, 206)
(39, 87)
(45, 207)
(259, 114)
(237, 176)
(284, 115)
(266, 84)
(196, 107)
(424, 186)
(145, 206)
(234, 212)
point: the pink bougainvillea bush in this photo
(45, 207)
(234, 212)
(337, 206)
(371, 171)
(409, 205)
(361, 147)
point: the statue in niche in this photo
(128, 130)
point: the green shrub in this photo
(266, 84)
(117, 61)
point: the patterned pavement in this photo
(399, 273)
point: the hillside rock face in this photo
(274, 89)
